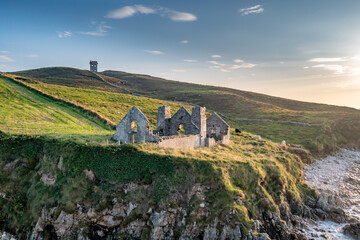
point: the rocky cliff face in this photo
(130, 220)
(122, 219)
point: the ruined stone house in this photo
(182, 130)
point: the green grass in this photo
(338, 126)
(294, 134)
(23, 111)
(108, 105)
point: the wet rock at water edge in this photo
(353, 230)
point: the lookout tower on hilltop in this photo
(93, 66)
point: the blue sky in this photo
(306, 50)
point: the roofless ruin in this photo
(182, 130)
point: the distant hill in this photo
(319, 127)
(70, 77)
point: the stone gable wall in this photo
(124, 132)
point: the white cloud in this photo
(64, 34)
(4, 52)
(178, 70)
(129, 11)
(32, 55)
(4, 58)
(100, 29)
(238, 66)
(155, 52)
(217, 63)
(190, 60)
(179, 16)
(216, 56)
(2, 65)
(337, 69)
(238, 60)
(347, 65)
(144, 10)
(226, 68)
(185, 41)
(254, 9)
(320, 60)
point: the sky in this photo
(306, 50)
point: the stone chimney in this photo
(163, 114)
(198, 117)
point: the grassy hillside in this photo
(27, 112)
(111, 106)
(333, 126)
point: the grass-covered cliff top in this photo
(59, 130)
(244, 177)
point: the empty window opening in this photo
(134, 131)
(134, 126)
(213, 131)
(181, 130)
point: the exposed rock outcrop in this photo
(353, 230)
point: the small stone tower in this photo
(93, 66)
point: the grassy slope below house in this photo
(25, 111)
(339, 126)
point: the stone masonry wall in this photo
(187, 142)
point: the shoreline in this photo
(337, 179)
